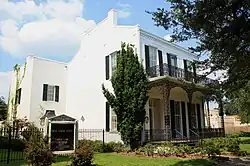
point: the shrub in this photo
(244, 134)
(148, 149)
(15, 144)
(211, 147)
(83, 154)
(38, 153)
(232, 145)
(97, 146)
(114, 147)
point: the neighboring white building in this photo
(173, 106)
(42, 87)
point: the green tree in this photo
(130, 85)
(3, 109)
(222, 29)
(240, 104)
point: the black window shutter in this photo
(57, 94)
(19, 95)
(169, 64)
(185, 68)
(184, 124)
(160, 62)
(147, 58)
(172, 106)
(107, 66)
(45, 90)
(198, 116)
(107, 117)
(194, 71)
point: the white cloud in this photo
(124, 11)
(5, 80)
(45, 29)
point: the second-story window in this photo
(152, 56)
(173, 59)
(50, 93)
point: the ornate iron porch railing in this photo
(173, 71)
(155, 135)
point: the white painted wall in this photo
(38, 72)
(52, 73)
(86, 72)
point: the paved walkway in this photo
(235, 161)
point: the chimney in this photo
(113, 16)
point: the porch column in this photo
(167, 113)
(189, 111)
(146, 124)
(208, 114)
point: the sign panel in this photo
(62, 137)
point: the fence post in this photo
(103, 142)
(9, 146)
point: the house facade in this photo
(175, 108)
(38, 88)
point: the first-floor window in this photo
(18, 96)
(113, 121)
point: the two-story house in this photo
(38, 88)
(175, 108)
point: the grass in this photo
(113, 159)
(245, 144)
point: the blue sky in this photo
(53, 28)
(133, 11)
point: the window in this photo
(18, 96)
(152, 56)
(113, 121)
(50, 93)
(113, 61)
(189, 66)
(173, 60)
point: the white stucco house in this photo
(174, 109)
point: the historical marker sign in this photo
(62, 137)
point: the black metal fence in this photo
(98, 134)
(154, 135)
(12, 144)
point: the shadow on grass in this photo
(62, 158)
(194, 162)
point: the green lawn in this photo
(113, 159)
(245, 145)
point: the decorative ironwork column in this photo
(167, 113)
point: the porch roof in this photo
(161, 80)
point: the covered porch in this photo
(175, 112)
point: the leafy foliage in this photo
(222, 29)
(130, 85)
(240, 104)
(38, 152)
(83, 154)
(98, 146)
(3, 109)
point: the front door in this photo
(176, 119)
